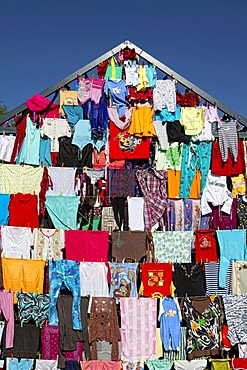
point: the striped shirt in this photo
(212, 279)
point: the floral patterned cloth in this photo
(48, 244)
(173, 246)
(169, 159)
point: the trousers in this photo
(68, 273)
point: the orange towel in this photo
(23, 275)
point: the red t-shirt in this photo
(126, 146)
(156, 278)
(205, 246)
(23, 210)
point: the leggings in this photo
(228, 139)
(232, 247)
(194, 156)
(118, 204)
(67, 272)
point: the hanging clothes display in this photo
(130, 190)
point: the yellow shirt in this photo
(142, 122)
(143, 78)
(192, 119)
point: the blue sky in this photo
(203, 40)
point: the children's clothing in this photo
(228, 139)
(118, 92)
(128, 245)
(90, 88)
(142, 121)
(205, 246)
(170, 324)
(68, 98)
(164, 95)
(193, 120)
(16, 364)
(190, 365)
(7, 309)
(120, 123)
(160, 129)
(230, 167)
(153, 185)
(156, 278)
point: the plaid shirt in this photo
(153, 185)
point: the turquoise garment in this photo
(4, 211)
(29, 153)
(166, 116)
(194, 155)
(232, 247)
(45, 152)
(83, 136)
(63, 211)
(159, 364)
(74, 113)
(151, 75)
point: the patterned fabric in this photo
(212, 279)
(33, 307)
(48, 244)
(153, 185)
(242, 212)
(169, 159)
(183, 214)
(236, 310)
(123, 280)
(173, 246)
(202, 326)
(138, 323)
(49, 346)
(164, 95)
(122, 183)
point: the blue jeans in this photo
(67, 272)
